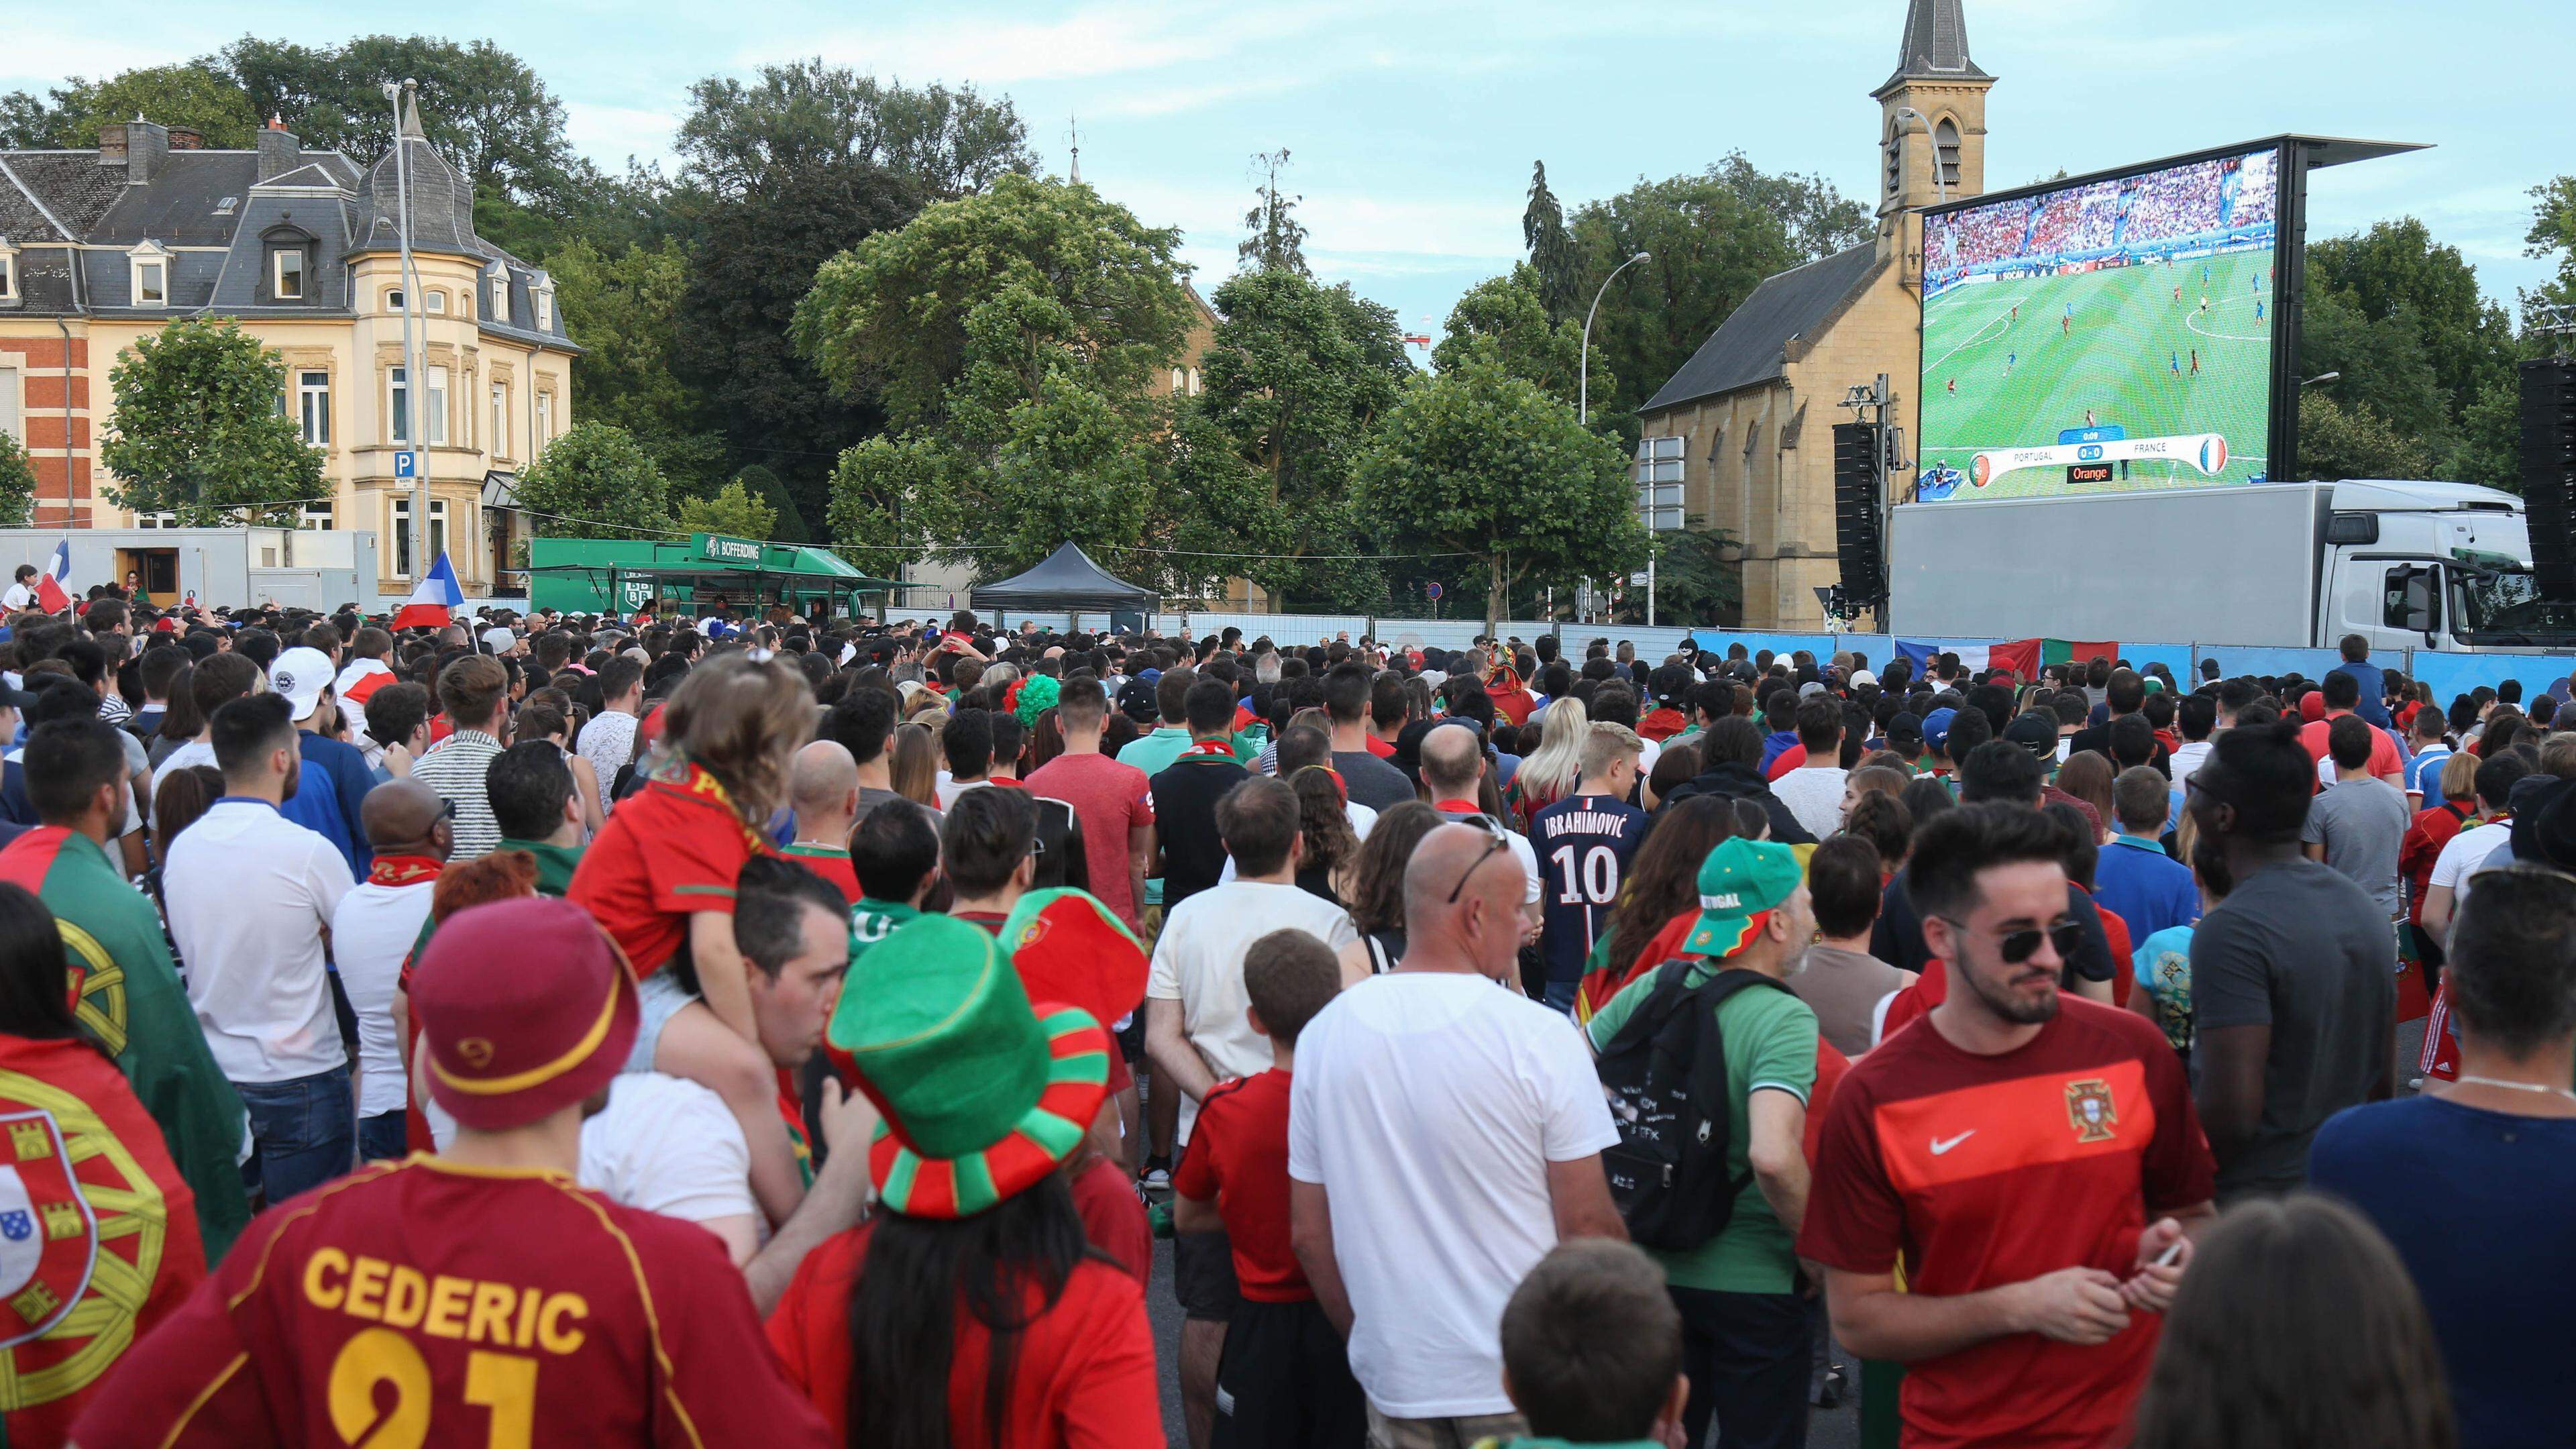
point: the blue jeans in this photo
(1560, 995)
(383, 1137)
(303, 1132)
(1747, 1355)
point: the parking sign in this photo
(406, 464)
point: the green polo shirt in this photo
(1520, 1441)
(1155, 752)
(555, 864)
(1770, 1044)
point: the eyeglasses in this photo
(1494, 846)
(2019, 946)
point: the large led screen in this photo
(2108, 335)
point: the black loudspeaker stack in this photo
(1859, 542)
(2548, 472)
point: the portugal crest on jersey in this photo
(2089, 1110)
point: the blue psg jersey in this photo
(1583, 843)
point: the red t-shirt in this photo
(1110, 799)
(673, 849)
(1238, 1155)
(2383, 750)
(831, 864)
(583, 1323)
(1112, 1218)
(1660, 725)
(1084, 1377)
(2115, 934)
(1979, 1171)
(1831, 1064)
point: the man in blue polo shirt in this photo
(2135, 878)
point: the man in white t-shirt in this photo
(1198, 1029)
(1444, 1132)
(1453, 761)
(21, 593)
(250, 895)
(372, 933)
(1814, 791)
(2465, 854)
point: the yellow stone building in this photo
(1755, 406)
(101, 247)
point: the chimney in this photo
(183, 139)
(146, 147)
(279, 150)
(111, 145)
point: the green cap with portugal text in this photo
(1739, 885)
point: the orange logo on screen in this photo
(2089, 1110)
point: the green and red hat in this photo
(1071, 948)
(983, 1094)
(1740, 884)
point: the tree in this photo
(2340, 442)
(763, 485)
(485, 110)
(17, 485)
(2553, 237)
(595, 481)
(198, 430)
(194, 94)
(1506, 320)
(1275, 240)
(624, 306)
(2402, 319)
(1482, 462)
(944, 143)
(1715, 236)
(1695, 581)
(1552, 258)
(733, 510)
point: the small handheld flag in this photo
(50, 595)
(430, 604)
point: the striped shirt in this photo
(456, 770)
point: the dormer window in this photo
(500, 310)
(290, 261)
(8, 271)
(286, 269)
(545, 295)
(148, 272)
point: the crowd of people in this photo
(770, 1030)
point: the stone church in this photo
(1754, 408)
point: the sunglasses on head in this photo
(2018, 946)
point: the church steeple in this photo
(1932, 116)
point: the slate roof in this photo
(1935, 44)
(1747, 348)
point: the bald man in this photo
(1453, 767)
(824, 789)
(411, 832)
(1441, 1071)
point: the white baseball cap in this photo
(499, 639)
(301, 675)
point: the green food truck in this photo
(628, 576)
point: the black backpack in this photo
(1665, 1076)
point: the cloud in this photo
(1162, 100)
(42, 54)
(610, 134)
(1098, 40)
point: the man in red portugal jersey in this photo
(2034, 1161)
(479, 1297)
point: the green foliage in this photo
(595, 481)
(198, 430)
(17, 485)
(762, 484)
(869, 485)
(1505, 319)
(2553, 238)
(2420, 352)
(944, 143)
(1695, 582)
(1552, 258)
(483, 108)
(733, 510)
(1483, 462)
(189, 94)
(1715, 236)
(624, 306)
(2355, 442)
(1274, 240)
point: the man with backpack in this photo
(1709, 1172)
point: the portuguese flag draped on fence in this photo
(2024, 657)
(126, 995)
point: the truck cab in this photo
(2442, 566)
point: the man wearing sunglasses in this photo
(2033, 1158)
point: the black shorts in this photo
(1203, 1276)
(1284, 1381)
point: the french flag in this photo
(50, 595)
(430, 603)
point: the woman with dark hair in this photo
(1377, 903)
(1883, 821)
(2087, 776)
(35, 986)
(182, 721)
(969, 1313)
(1925, 798)
(1673, 769)
(2296, 1328)
(1060, 861)
(1660, 892)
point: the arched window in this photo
(1945, 146)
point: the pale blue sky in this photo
(1413, 125)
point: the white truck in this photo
(2443, 566)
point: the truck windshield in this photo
(2501, 602)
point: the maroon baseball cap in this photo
(528, 1007)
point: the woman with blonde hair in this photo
(913, 768)
(660, 879)
(1550, 772)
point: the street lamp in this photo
(2320, 377)
(1940, 182)
(1583, 379)
(415, 381)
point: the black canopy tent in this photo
(1066, 579)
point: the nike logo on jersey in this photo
(1940, 1146)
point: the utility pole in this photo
(415, 379)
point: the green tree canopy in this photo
(762, 484)
(2421, 353)
(1506, 319)
(733, 510)
(2336, 441)
(190, 94)
(17, 485)
(198, 430)
(1552, 259)
(2552, 238)
(1274, 240)
(1485, 463)
(595, 481)
(943, 143)
(485, 109)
